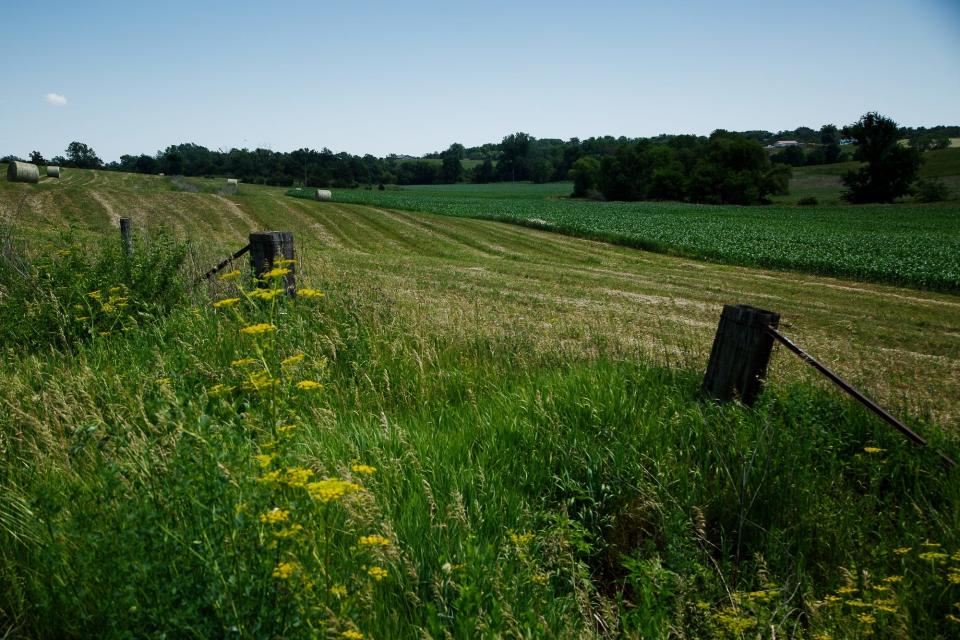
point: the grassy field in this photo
(917, 245)
(509, 440)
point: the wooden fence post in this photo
(267, 247)
(126, 236)
(740, 354)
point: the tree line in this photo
(723, 168)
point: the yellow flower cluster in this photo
(265, 294)
(242, 362)
(338, 590)
(309, 385)
(373, 541)
(219, 390)
(292, 360)
(258, 329)
(331, 489)
(309, 293)
(226, 302)
(276, 272)
(363, 468)
(521, 539)
(284, 570)
(229, 275)
(377, 573)
(873, 450)
(350, 634)
(275, 516)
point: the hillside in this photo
(480, 426)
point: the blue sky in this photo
(412, 77)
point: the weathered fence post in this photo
(268, 247)
(741, 351)
(126, 235)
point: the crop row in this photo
(913, 245)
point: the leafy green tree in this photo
(891, 169)
(37, 158)
(451, 169)
(81, 156)
(514, 157)
(584, 175)
(483, 172)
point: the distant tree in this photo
(540, 170)
(584, 175)
(514, 152)
(792, 156)
(81, 156)
(11, 158)
(483, 172)
(451, 169)
(37, 158)
(830, 139)
(891, 168)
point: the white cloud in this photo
(56, 99)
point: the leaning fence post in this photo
(740, 354)
(126, 236)
(268, 247)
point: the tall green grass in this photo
(513, 492)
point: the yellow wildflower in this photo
(309, 293)
(873, 449)
(953, 618)
(82, 318)
(847, 590)
(377, 573)
(331, 489)
(338, 590)
(226, 302)
(374, 540)
(363, 468)
(96, 295)
(264, 459)
(933, 556)
(297, 477)
(832, 599)
(956, 556)
(229, 275)
(284, 570)
(219, 390)
(163, 381)
(289, 532)
(292, 360)
(902, 550)
(260, 381)
(866, 618)
(308, 385)
(275, 516)
(242, 362)
(885, 608)
(265, 294)
(540, 578)
(271, 477)
(521, 539)
(286, 428)
(822, 636)
(932, 545)
(284, 262)
(893, 579)
(350, 634)
(116, 290)
(256, 329)
(953, 577)
(276, 272)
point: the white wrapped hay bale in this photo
(22, 172)
(53, 172)
(233, 182)
(322, 195)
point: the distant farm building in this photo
(779, 144)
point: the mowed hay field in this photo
(577, 297)
(480, 430)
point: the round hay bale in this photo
(53, 172)
(322, 195)
(22, 172)
(233, 181)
